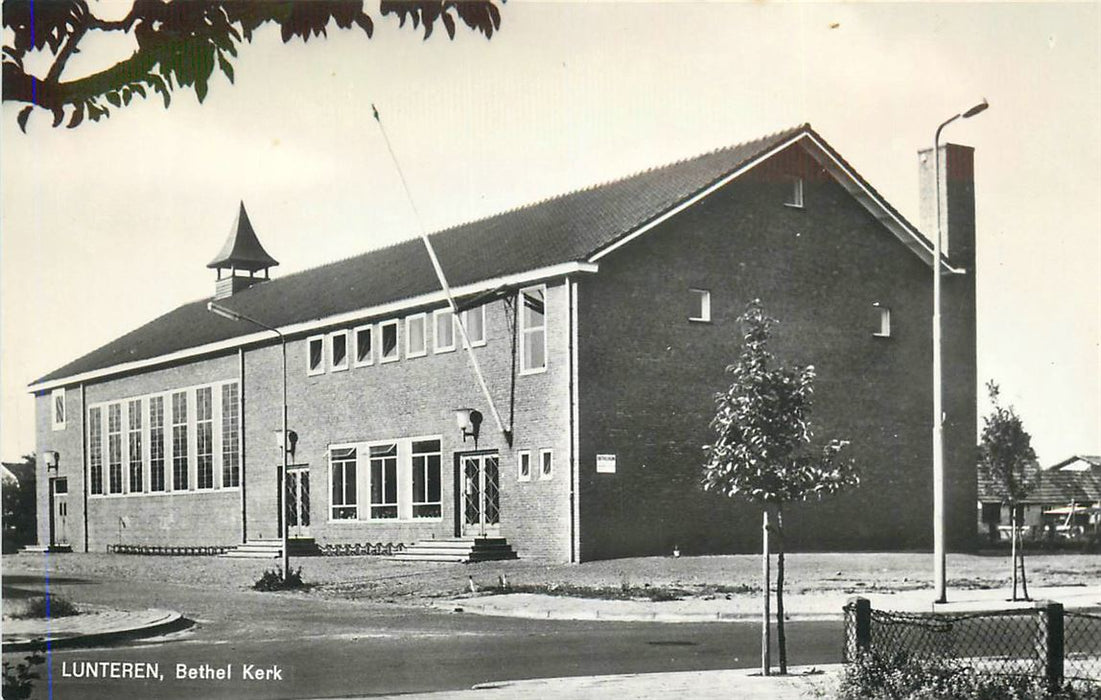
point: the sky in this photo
(109, 225)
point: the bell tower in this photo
(242, 253)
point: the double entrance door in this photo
(481, 495)
(298, 502)
(59, 512)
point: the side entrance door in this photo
(298, 502)
(481, 502)
(59, 513)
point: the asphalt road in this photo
(335, 648)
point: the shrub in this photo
(48, 606)
(272, 580)
(898, 676)
(19, 678)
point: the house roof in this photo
(242, 249)
(1054, 487)
(1079, 463)
(578, 227)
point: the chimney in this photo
(957, 201)
(242, 253)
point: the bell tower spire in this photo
(242, 253)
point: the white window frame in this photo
(355, 345)
(382, 358)
(523, 330)
(795, 196)
(546, 457)
(398, 464)
(523, 457)
(412, 480)
(198, 422)
(57, 418)
(884, 330)
(320, 369)
(333, 366)
(436, 315)
(423, 318)
(465, 315)
(704, 297)
(355, 484)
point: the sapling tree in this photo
(763, 450)
(1007, 459)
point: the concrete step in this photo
(458, 549)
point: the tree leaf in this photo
(113, 98)
(22, 118)
(226, 67)
(78, 116)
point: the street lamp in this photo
(938, 409)
(238, 316)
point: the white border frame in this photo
(481, 310)
(520, 455)
(423, 318)
(884, 330)
(382, 358)
(705, 305)
(797, 200)
(320, 369)
(436, 347)
(523, 330)
(56, 424)
(546, 454)
(333, 367)
(329, 482)
(355, 345)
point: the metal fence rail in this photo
(1042, 642)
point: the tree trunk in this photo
(766, 660)
(1024, 580)
(1013, 545)
(781, 639)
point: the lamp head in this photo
(222, 311)
(976, 109)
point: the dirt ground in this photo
(381, 579)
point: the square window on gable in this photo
(364, 345)
(533, 330)
(415, 345)
(474, 321)
(795, 192)
(338, 351)
(700, 309)
(315, 355)
(389, 340)
(57, 402)
(882, 321)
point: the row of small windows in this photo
(365, 345)
(179, 441)
(524, 466)
(699, 310)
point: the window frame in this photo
(523, 458)
(396, 503)
(423, 318)
(312, 371)
(546, 457)
(355, 345)
(353, 460)
(795, 197)
(230, 421)
(333, 366)
(57, 417)
(205, 471)
(524, 331)
(704, 305)
(95, 451)
(437, 348)
(135, 473)
(884, 317)
(466, 326)
(396, 325)
(413, 502)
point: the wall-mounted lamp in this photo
(469, 421)
(291, 441)
(51, 458)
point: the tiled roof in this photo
(1088, 462)
(563, 229)
(1054, 488)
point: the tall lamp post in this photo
(938, 409)
(238, 316)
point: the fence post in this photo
(861, 637)
(1051, 642)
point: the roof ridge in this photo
(550, 198)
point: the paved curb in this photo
(166, 621)
(477, 607)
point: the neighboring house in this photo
(1067, 488)
(602, 320)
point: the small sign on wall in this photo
(605, 464)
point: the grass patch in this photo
(43, 607)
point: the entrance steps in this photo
(270, 549)
(458, 549)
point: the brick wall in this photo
(647, 375)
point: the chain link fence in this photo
(1043, 642)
